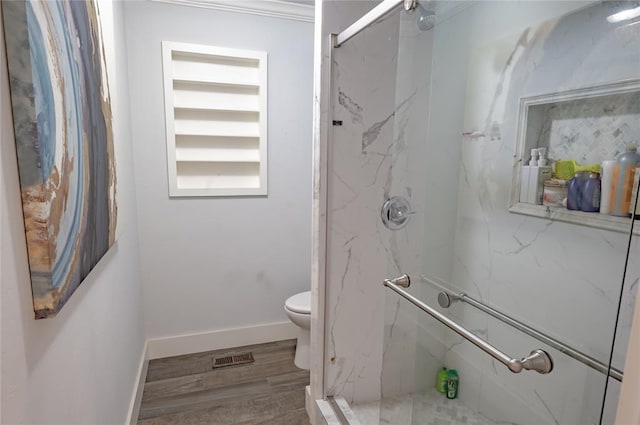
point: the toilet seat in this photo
(299, 303)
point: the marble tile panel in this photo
(358, 170)
(447, 142)
(562, 279)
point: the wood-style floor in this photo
(187, 390)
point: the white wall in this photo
(79, 367)
(218, 263)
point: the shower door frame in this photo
(324, 43)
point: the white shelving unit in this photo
(216, 120)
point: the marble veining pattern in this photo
(513, 262)
(457, 153)
(359, 176)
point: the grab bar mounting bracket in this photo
(403, 281)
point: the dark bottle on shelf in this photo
(574, 193)
(590, 201)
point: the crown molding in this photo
(271, 8)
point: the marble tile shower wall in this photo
(410, 352)
(375, 154)
(359, 179)
(564, 279)
(380, 94)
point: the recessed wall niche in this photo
(216, 120)
(588, 125)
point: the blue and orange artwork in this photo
(64, 140)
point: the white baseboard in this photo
(218, 340)
(134, 406)
(309, 405)
(316, 416)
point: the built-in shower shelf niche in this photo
(588, 125)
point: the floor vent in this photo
(238, 359)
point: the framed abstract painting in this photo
(64, 141)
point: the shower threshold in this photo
(428, 408)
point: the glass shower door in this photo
(478, 85)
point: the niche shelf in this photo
(588, 125)
(216, 120)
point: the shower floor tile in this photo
(430, 408)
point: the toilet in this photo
(298, 308)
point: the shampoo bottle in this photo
(441, 380)
(524, 180)
(607, 185)
(574, 193)
(590, 201)
(538, 175)
(623, 171)
(452, 384)
(634, 208)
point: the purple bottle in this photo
(574, 192)
(590, 201)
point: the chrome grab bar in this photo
(446, 297)
(537, 360)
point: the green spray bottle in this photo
(452, 384)
(441, 380)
